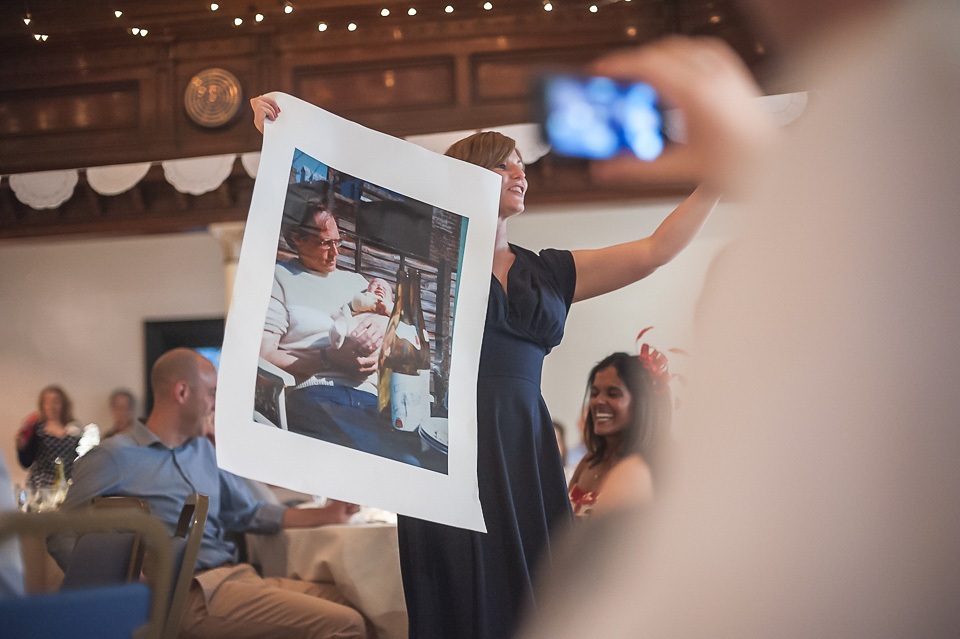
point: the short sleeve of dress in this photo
(561, 264)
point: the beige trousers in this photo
(244, 605)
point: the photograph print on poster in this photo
(349, 365)
(364, 277)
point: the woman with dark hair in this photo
(628, 417)
(52, 434)
(464, 584)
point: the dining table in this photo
(362, 560)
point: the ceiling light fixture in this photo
(411, 11)
(322, 26)
(237, 22)
(352, 26)
(448, 8)
(117, 14)
(143, 33)
(135, 30)
(547, 5)
(27, 19)
(214, 6)
(384, 12)
(487, 6)
(288, 7)
(258, 17)
(40, 37)
(593, 8)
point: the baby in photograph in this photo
(375, 301)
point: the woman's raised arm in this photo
(603, 270)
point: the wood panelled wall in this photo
(91, 98)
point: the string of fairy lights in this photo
(286, 7)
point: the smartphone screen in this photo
(597, 118)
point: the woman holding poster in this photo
(464, 584)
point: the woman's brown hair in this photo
(486, 149)
(66, 406)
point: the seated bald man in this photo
(168, 458)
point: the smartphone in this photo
(597, 117)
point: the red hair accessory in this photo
(656, 364)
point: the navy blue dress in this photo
(461, 584)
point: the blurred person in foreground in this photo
(11, 562)
(817, 490)
(628, 418)
(166, 459)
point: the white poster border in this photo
(310, 465)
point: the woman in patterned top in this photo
(52, 433)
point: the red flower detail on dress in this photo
(582, 501)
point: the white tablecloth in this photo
(362, 560)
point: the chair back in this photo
(136, 551)
(101, 559)
(105, 612)
(104, 558)
(186, 546)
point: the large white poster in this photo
(353, 338)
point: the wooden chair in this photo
(110, 612)
(186, 544)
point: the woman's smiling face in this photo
(610, 403)
(513, 184)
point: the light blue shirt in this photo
(138, 464)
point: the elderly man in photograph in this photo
(307, 292)
(168, 458)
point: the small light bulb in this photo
(487, 6)
(237, 22)
(135, 30)
(27, 19)
(258, 17)
(411, 11)
(117, 14)
(288, 7)
(44, 37)
(448, 8)
(384, 12)
(214, 6)
(322, 26)
(36, 36)
(547, 6)
(143, 33)
(593, 8)
(352, 26)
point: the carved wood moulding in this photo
(94, 94)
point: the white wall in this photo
(72, 312)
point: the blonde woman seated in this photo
(628, 418)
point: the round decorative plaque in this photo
(212, 97)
